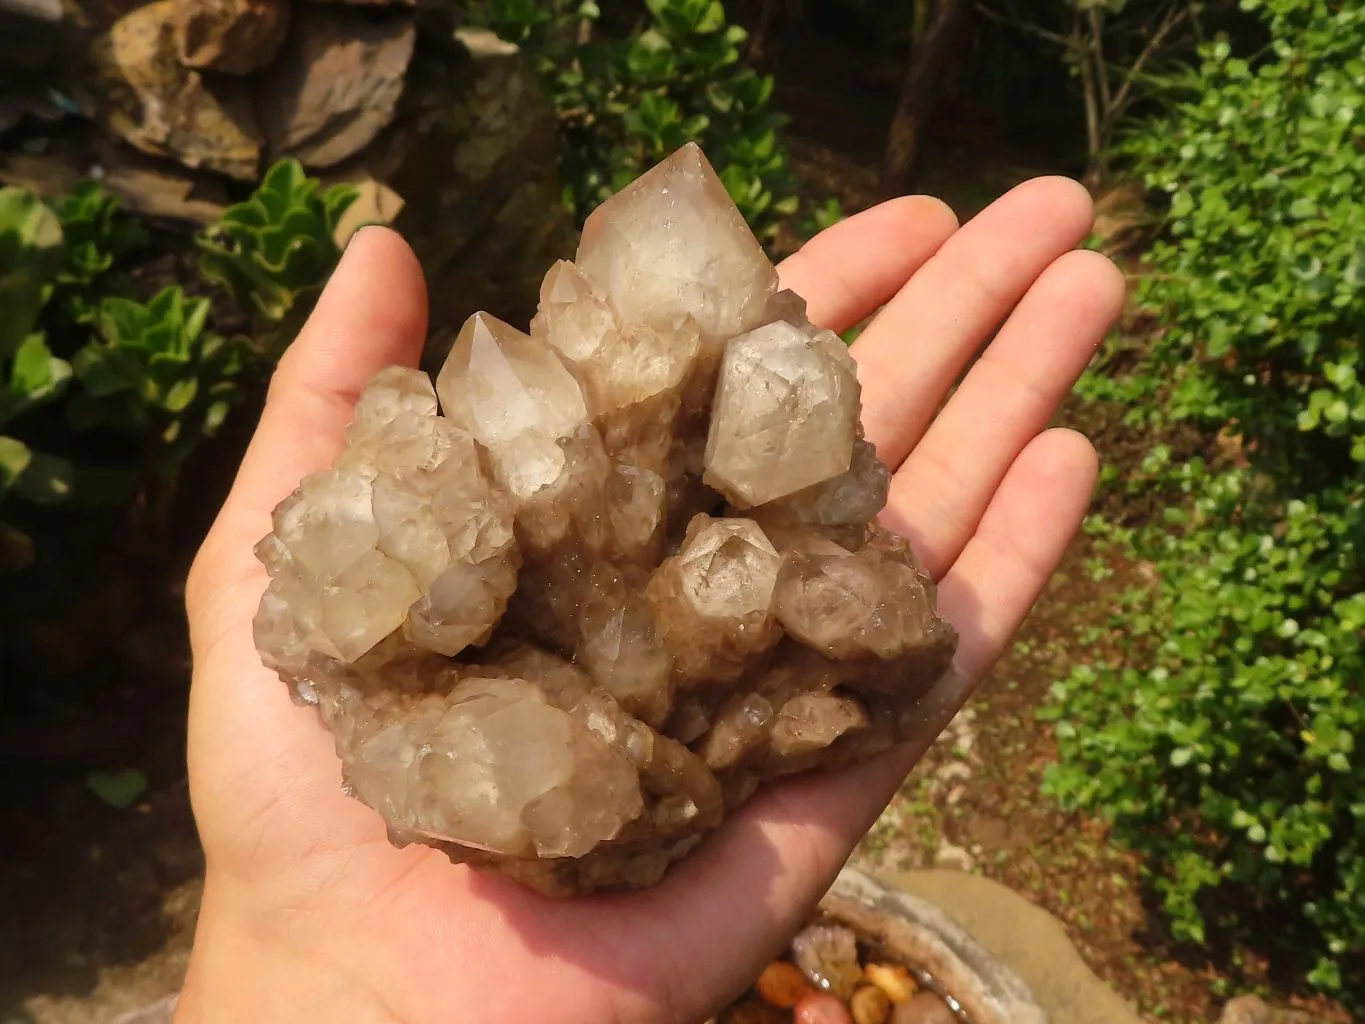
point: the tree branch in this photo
(1026, 27)
(1173, 18)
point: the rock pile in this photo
(227, 85)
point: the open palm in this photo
(310, 914)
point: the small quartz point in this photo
(785, 414)
(673, 246)
(569, 606)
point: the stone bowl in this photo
(906, 929)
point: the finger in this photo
(1010, 393)
(913, 351)
(1017, 546)
(851, 269)
(756, 878)
(371, 314)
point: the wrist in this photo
(247, 966)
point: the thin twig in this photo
(1025, 26)
(1174, 18)
(1097, 47)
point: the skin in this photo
(310, 914)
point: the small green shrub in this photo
(31, 256)
(33, 377)
(103, 396)
(272, 253)
(97, 236)
(626, 103)
(156, 373)
(1223, 742)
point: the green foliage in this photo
(156, 373)
(273, 252)
(625, 104)
(97, 236)
(30, 258)
(33, 378)
(1224, 741)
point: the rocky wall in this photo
(180, 105)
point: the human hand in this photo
(309, 914)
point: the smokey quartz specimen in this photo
(572, 603)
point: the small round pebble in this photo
(821, 1008)
(924, 1008)
(782, 984)
(870, 1005)
(893, 979)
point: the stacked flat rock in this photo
(571, 604)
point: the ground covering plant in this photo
(1223, 739)
(105, 391)
(272, 252)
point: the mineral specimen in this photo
(569, 606)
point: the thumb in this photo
(372, 314)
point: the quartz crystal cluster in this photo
(571, 603)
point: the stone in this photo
(375, 203)
(821, 1008)
(782, 984)
(785, 415)
(335, 85)
(231, 36)
(673, 245)
(924, 1008)
(153, 102)
(870, 1005)
(828, 954)
(714, 599)
(893, 979)
(1003, 957)
(542, 643)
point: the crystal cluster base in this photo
(572, 602)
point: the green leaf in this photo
(119, 789)
(179, 396)
(15, 458)
(47, 480)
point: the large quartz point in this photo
(569, 606)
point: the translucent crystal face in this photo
(729, 570)
(500, 384)
(673, 245)
(568, 607)
(785, 415)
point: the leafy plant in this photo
(157, 373)
(626, 103)
(31, 256)
(273, 252)
(97, 237)
(1223, 742)
(33, 377)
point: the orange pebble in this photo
(893, 979)
(870, 1005)
(782, 984)
(821, 1008)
